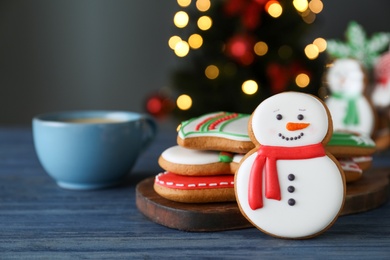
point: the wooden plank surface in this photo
(370, 192)
(39, 220)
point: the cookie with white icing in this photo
(185, 161)
(195, 189)
(352, 171)
(219, 131)
(347, 103)
(289, 186)
(348, 144)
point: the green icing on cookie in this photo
(348, 139)
(225, 157)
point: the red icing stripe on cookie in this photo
(175, 181)
(223, 119)
(198, 126)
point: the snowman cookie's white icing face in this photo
(346, 77)
(290, 119)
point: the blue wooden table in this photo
(39, 220)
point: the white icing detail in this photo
(347, 78)
(319, 187)
(237, 158)
(181, 155)
(234, 130)
(191, 185)
(202, 184)
(213, 184)
(350, 166)
(169, 183)
(223, 183)
(363, 139)
(361, 159)
(179, 185)
(266, 127)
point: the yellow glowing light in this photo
(261, 48)
(204, 23)
(195, 41)
(173, 41)
(301, 5)
(316, 6)
(302, 80)
(249, 87)
(321, 44)
(308, 16)
(211, 72)
(203, 5)
(274, 9)
(311, 51)
(182, 48)
(181, 19)
(183, 3)
(184, 102)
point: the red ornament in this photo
(280, 75)
(159, 105)
(240, 49)
(382, 69)
(248, 10)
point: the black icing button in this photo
(291, 202)
(291, 177)
(291, 189)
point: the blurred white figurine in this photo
(350, 109)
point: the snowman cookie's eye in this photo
(300, 117)
(279, 116)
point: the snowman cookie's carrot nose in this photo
(296, 126)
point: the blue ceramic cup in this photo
(91, 149)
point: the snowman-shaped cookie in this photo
(347, 103)
(289, 186)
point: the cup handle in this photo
(149, 130)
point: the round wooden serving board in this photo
(368, 193)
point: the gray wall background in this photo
(110, 54)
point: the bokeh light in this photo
(181, 19)
(321, 44)
(311, 51)
(211, 72)
(301, 5)
(302, 80)
(203, 5)
(285, 52)
(195, 41)
(204, 23)
(182, 48)
(183, 3)
(249, 87)
(316, 6)
(184, 102)
(173, 41)
(261, 48)
(274, 8)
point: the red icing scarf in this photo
(266, 159)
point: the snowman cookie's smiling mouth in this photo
(290, 138)
(294, 127)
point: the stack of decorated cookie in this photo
(200, 169)
(353, 151)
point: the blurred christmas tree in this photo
(236, 53)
